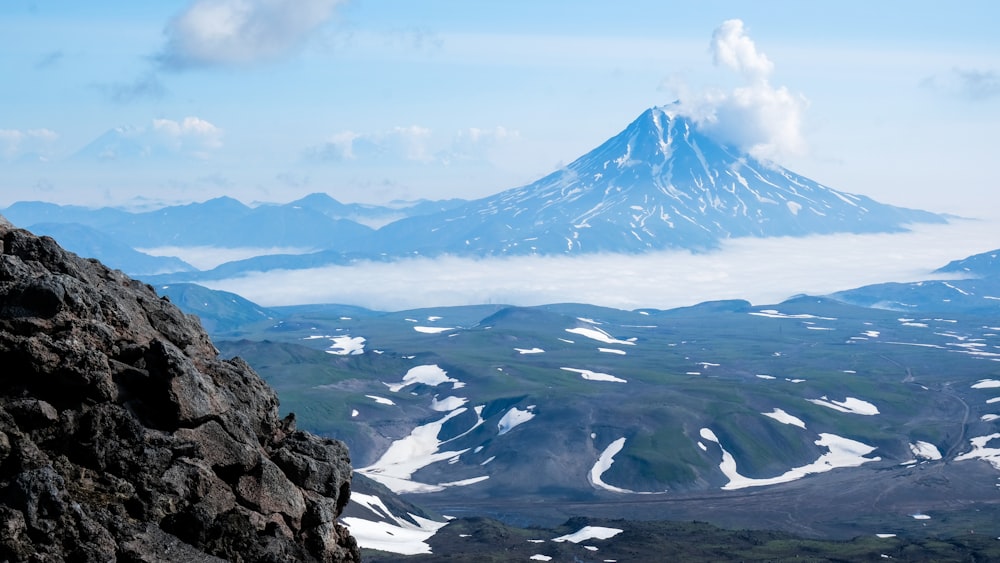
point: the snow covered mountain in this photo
(660, 183)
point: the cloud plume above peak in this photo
(757, 117)
(240, 32)
(733, 48)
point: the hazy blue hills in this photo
(975, 291)
(316, 222)
(986, 264)
(92, 243)
(220, 311)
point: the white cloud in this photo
(762, 119)
(478, 144)
(191, 131)
(732, 48)
(241, 32)
(762, 271)
(191, 136)
(409, 143)
(15, 142)
(971, 84)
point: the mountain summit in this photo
(660, 183)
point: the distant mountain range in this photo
(659, 184)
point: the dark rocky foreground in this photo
(124, 437)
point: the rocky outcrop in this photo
(124, 437)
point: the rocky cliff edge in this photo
(124, 437)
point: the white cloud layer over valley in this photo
(762, 271)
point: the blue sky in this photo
(113, 102)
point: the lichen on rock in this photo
(123, 435)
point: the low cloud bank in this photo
(762, 271)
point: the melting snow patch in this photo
(428, 375)
(848, 405)
(980, 451)
(842, 452)
(432, 329)
(986, 384)
(540, 557)
(612, 351)
(993, 400)
(381, 400)
(925, 450)
(514, 418)
(448, 403)
(589, 533)
(529, 350)
(771, 313)
(594, 376)
(600, 336)
(884, 536)
(989, 417)
(393, 534)
(920, 516)
(347, 345)
(354, 413)
(407, 455)
(762, 376)
(603, 464)
(785, 418)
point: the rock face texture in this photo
(124, 437)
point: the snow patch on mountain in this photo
(604, 462)
(589, 533)
(390, 533)
(925, 450)
(594, 376)
(980, 451)
(514, 418)
(841, 452)
(600, 336)
(448, 403)
(784, 418)
(848, 405)
(428, 375)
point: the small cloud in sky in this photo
(412, 143)
(971, 84)
(292, 180)
(17, 143)
(417, 39)
(477, 144)
(191, 136)
(50, 59)
(409, 143)
(240, 32)
(192, 133)
(144, 87)
(764, 120)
